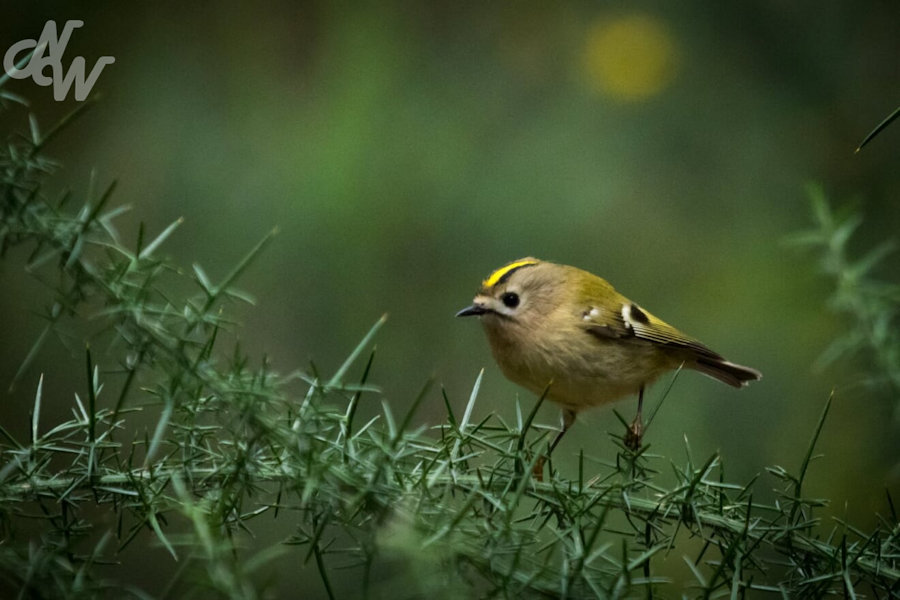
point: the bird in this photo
(564, 332)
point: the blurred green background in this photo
(404, 150)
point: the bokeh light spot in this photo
(631, 57)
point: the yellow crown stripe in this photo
(497, 275)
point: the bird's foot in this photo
(634, 434)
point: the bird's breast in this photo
(581, 370)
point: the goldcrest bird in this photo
(562, 330)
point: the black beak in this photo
(471, 311)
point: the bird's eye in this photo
(510, 299)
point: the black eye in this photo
(510, 299)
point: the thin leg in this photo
(568, 418)
(636, 430)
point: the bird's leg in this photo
(636, 430)
(568, 418)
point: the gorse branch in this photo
(189, 446)
(871, 306)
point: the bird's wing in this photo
(628, 321)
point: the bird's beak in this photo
(471, 311)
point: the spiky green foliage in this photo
(177, 442)
(879, 128)
(868, 304)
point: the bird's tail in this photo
(726, 372)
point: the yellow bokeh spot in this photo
(631, 57)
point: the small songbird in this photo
(562, 330)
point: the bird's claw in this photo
(633, 435)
